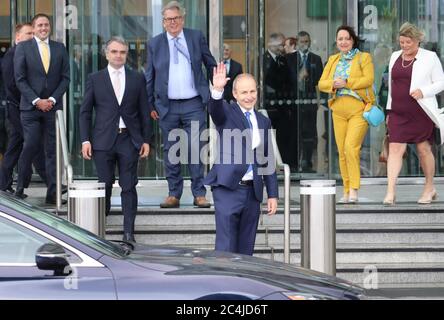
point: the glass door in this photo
(137, 21)
(298, 37)
(379, 22)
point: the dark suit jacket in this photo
(158, 66)
(31, 78)
(99, 95)
(314, 68)
(12, 92)
(235, 70)
(230, 116)
(276, 77)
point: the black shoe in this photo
(19, 194)
(53, 200)
(129, 237)
(10, 190)
(64, 189)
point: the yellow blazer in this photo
(362, 77)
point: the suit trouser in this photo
(350, 130)
(190, 117)
(308, 117)
(237, 218)
(38, 126)
(125, 155)
(15, 147)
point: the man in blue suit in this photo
(23, 32)
(177, 94)
(41, 68)
(122, 130)
(245, 163)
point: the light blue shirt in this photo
(181, 79)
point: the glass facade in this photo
(256, 30)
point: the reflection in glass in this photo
(137, 21)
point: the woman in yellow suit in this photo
(348, 77)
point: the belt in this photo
(246, 183)
(183, 100)
(122, 130)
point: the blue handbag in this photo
(375, 116)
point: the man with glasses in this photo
(177, 94)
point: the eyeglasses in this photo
(171, 20)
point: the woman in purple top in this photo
(416, 76)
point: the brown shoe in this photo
(201, 202)
(170, 202)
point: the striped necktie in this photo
(250, 124)
(178, 47)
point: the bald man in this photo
(238, 177)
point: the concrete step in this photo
(368, 254)
(369, 258)
(195, 235)
(411, 275)
(198, 216)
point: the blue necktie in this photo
(178, 47)
(248, 115)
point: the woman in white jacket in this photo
(415, 78)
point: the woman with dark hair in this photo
(415, 78)
(348, 77)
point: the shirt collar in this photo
(272, 55)
(111, 70)
(181, 35)
(38, 40)
(245, 110)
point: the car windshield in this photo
(71, 230)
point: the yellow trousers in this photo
(350, 130)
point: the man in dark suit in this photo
(122, 130)
(276, 91)
(41, 68)
(23, 32)
(234, 69)
(305, 71)
(177, 94)
(246, 161)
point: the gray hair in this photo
(174, 5)
(411, 31)
(117, 39)
(276, 38)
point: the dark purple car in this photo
(43, 256)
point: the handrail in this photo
(62, 152)
(286, 169)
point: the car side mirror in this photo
(53, 257)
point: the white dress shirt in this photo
(256, 137)
(122, 78)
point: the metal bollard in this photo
(86, 202)
(318, 225)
